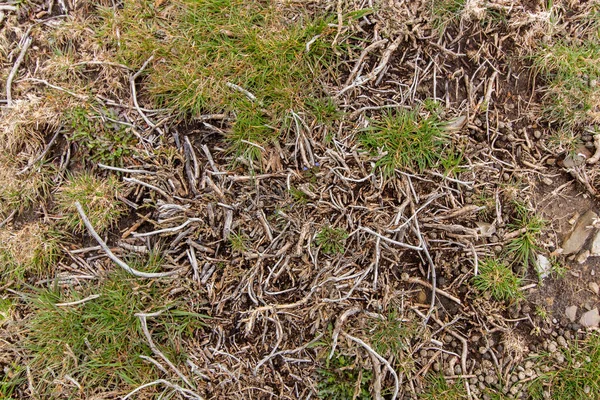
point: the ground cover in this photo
(334, 199)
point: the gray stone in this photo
(594, 287)
(582, 231)
(571, 313)
(583, 256)
(543, 266)
(590, 319)
(595, 250)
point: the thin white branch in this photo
(15, 68)
(111, 255)
(74, 303)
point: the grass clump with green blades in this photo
(97, 196)
(438, 388)
(577, 379)
(99, 342)
(572, 72)
(332, 240)
(98, 138)
(444, 12)
(342, 379)
(405, 140)
(210, 56)
(498, 280)
(523, 247)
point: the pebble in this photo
(590, 318)
(490, 379)
(529, 372)
(575, 241)
(550, 161)
(571, 313)
(548, 181)
(522, 375)
(594, 287)
(552, 347)
(498, 249)
(561, 341)
(583, 256)
(560, 358)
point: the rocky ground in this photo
(347, 199)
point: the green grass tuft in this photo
(444, 12)
(332, 240)
(200, 48)
(406, 140)
(99, 342)
(498, 280)
(343, 379)
(438, 388)
(577, 379)
(238, 242)
(99, 139)
(523, 247)
(572, 72)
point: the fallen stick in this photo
(111, 255)
(14, 70)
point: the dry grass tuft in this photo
(31, 249)
(98, 198)
(23, 126)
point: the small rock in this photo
(590, 318)
(552, 347)
(595, 250)
(575, 241)
(583, 256)
(522, 375)
(576, 158)
(561, 341)
(505, 176)
(594, 287)
(537, 134)
(548, 181)
(559, 357)
(571, 313)
(550, 161)
(543, 266)
(489, 379)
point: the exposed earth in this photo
(332, 199)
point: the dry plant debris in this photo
(334, 199)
